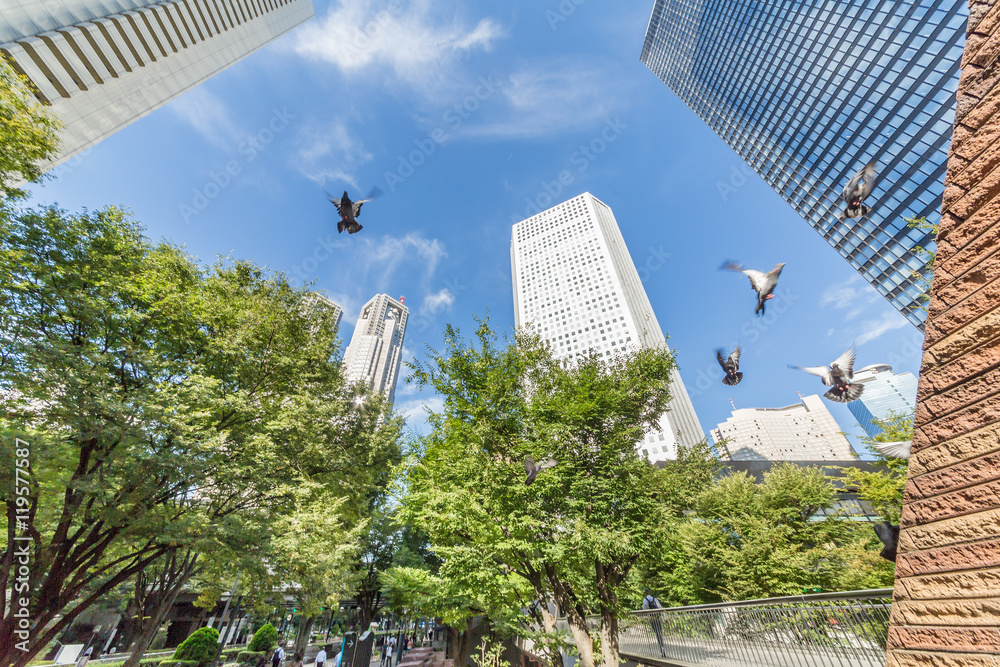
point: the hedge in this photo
(199, 648)
(250, 657)
(264, 639)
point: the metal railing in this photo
(821, 630)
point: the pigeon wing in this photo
(867, 182)
(335, 202)
(758, 279)
(547, 463)
(529, 464)
(845, 362)
(821, 371)
(898, 450)
(735, 356)
(721, 359)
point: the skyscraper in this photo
(803, 431)
(885, 392)
(314, 301)
(575, 283)
(808, 92)
(372, 358)
(101, 65)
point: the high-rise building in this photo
(372, 358)
(314, 301)
(575, 283)
(102, 64)
(808, 92)
(804, 431)
(885, 392)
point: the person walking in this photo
(321, 656)
(279, 655)
(650, 602)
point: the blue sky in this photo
(465, 115)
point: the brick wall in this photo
(947, 597)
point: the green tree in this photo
(883, 487)
(264, 639)
(169, 410)
(28, 134)
(199, 647)
(575, 534)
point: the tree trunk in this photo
(584, 642)
(163, 592)
(302, 636)
(609, 638)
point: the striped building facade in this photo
(102, 64)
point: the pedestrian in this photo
(279, 655)
(321, 656)
(650, 602)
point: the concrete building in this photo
(103, 64)
(316, 300)
(808, 92)
(804, 431)
(372, 358)
(576, 285)
(885, 393)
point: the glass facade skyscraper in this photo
(102, 64)
(808, 92)
(885, 392)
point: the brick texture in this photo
(946, 600)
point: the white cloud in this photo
(417, 41)
(436, 302)
(329, 153)
(553, 97)
(209, 117)
(872, 329)
(415, 410)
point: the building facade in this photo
(885, 393)
(372, 358)
(805, 431)
(102, 64)
(576, 285)
(315, 300)
(808, 92)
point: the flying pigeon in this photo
(350, 210)
(838, 375)
(896, 450)
(533, 468)
(889, 534)
(762, 283)
(731, 366)
(859, 187)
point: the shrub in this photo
(199, 648)
(264, 639)
(250, 657)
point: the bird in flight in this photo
(731, 366)
(762, 283)
(533, 468)
(896, 450)
(838, 375)
(350, 210)
(859, 187)
(889, 535)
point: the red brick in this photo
(964, 394)
(980, 193)
(971, 281)
(971, 640)
(987, 53)
(951, 318)
(974, 238)
(964, 106)
(976, 115)
(983, 80)
(946, 506)
(973, 43)
(968, 144)
(949, 559)
(977, 471)
(984, 17)
(969, 174)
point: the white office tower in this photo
(372, 358)
(576, 285)
(805, 431)
(315, 301)
(102, 64)
(886, 393)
